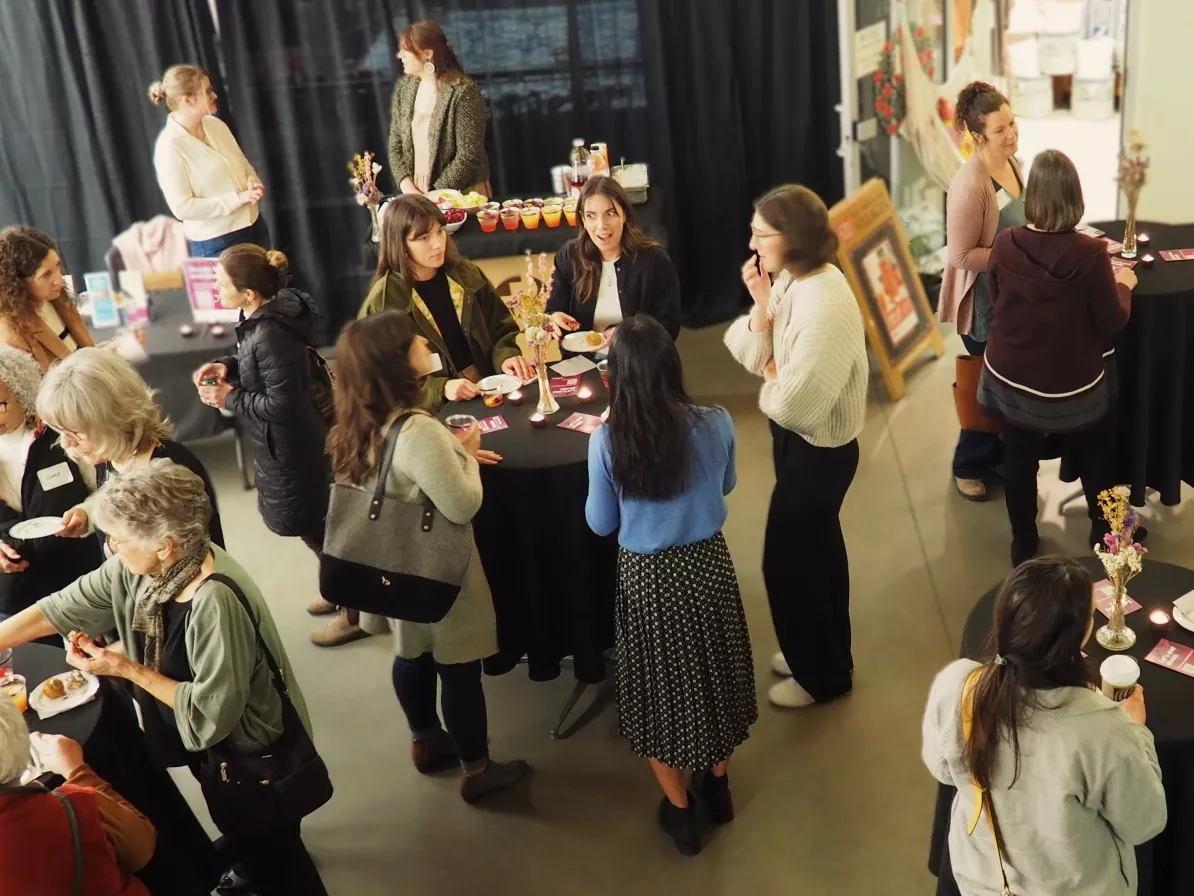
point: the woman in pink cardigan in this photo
(985, 197)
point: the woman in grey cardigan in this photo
(437, 119)
(1072, 777)
(380, 361)
(190, 650)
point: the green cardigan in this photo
(486, 321)
(456, 135)
(230, 694)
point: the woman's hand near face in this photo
(758, 284)
(460, 390)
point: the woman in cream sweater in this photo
(805, 337)
(206, 179)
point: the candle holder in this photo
(1142, 240)
(515, 397)
(538, 420)
(584, 395)
(1160, 620)
(1146, 261)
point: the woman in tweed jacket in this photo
(437, 122)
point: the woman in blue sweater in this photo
(659, 471)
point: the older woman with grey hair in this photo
(105, 415)
(191, 651)
(37, 479)
(36, 848)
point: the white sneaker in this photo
(789, 695)
(780, 666)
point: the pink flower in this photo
(1112, 543)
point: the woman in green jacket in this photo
(452, 303)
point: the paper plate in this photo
(579, 342)
(38, 527)
(46, 707)
(501, 382)
(1183, 620)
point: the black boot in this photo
(1023, 551)
(680, 825)
(715, 791)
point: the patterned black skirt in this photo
(686, 682)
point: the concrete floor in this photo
(831, 800)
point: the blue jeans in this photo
(257, 233)
(978, 453)
(461, 699)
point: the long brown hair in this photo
(373, 380)
(585, 256)
(1042, 614)
(427, 35)
(22, 250)
(408, 217)
(248, 266)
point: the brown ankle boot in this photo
(498, 776)
(341, 630)
(434, 753)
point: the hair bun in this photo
(157, 93)
(278, 261)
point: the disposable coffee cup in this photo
(1120, 674)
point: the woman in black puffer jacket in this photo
(268, 385)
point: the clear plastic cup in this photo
(5, 662)
(530, 217)
(488, 219)
(552, 214)
(460, 423)
(13, 687)
(510, 218)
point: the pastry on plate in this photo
(76, 680)
(594, 338)
(53, 689)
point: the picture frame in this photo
(873, 254)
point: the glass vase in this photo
(1116, 635)
(547, 402)
(376, 233)
(1129, 240)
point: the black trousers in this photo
(1091, 450)
(810, 603)
(462, 701)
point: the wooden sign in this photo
(873, 254)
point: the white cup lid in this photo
(1120, 671)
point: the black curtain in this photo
(76, 128)
(721, 100)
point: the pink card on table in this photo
(492, 424)
(1113, 246)
(581, 423)
(1105, 596)
(1120, 264)
(1177, 657)
(564, 386)
(1177, 254)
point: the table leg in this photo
(577, 692)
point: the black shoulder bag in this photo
(270, 790)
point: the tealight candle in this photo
(585, 395)
(515, 397)
(1147, 261)
(538, 421)
(1142, 240)
(1159, 619)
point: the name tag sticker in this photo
(1004, 199)
(52, 477)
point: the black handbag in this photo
(388, 557)
(255, 794)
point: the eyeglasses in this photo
(764, 236)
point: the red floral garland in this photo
(889, 83)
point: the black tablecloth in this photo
(1155, 365)
(552, 579)
(184, 862)
(1167, 863)
(174, 357)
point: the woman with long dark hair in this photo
(1071, 777)
(437, 118)
(451, 302)
(610, 270)
(659, 471)
(380, 362)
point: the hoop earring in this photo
(429, 68)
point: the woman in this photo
(268, 384)
(36, 313)
(206, 179)
(105, 416)
(1049, 367)
(437, 119)
(805, 337)
(452, 304)
(37, 479)
(1073, 778)
(37, 851)
(379, 362)
(985, 198)
(659, 471)
(191, 654)
(609, 270)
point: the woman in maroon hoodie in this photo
(1049, 366)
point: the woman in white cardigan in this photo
(206, 179)
(805, 337)
(1072, 778)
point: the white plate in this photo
(46, 706)
(1183, 620)
(501, 382)
(577, 342)
(38, 527)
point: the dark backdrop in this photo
(76, 128)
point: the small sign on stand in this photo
(200, 277)
(104, 313)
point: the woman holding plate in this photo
(610, 270)
(452, 303)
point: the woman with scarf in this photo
(191, 653)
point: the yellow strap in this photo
(982, 799)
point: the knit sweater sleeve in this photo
(750, 349)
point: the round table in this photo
(1155, 366)
(552, 579)
(37, 662)
(1166, 864)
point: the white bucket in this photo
(1057, 54)
(1032, 97)
(1093, 100)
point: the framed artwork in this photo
(873, 254)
